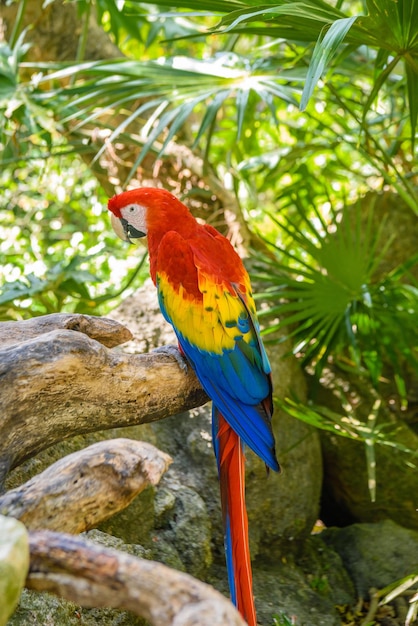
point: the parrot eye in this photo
(132, 208)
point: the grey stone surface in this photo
(346, 495)
(374, 555)
(305, 588)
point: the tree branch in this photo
(62, 383)
(94, 576)
(108, 332)
(87, 487)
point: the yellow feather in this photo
(205, 323)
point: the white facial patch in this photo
(134, 214)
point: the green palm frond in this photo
(161, 96)
(20, 115)
(398, 588)
(303, 20)
(388, 26)
(348, 426)
(173, 91)
(329, 302)
(325, 49)
(371, 433)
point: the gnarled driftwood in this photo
(56, 382)
(58, 378)
(87, 487)
(108, 332)
(94, 576)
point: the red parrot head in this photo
(129, 214)
(148, 212)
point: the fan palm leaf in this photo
(388, 26)
(329, 302)
(148, 87)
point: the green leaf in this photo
(380, 79)
(398, 587)
(293, 20)
(344, 425)
(328, 302)
(21, 289)
(411, 69)
(242, 102)
(325, 49)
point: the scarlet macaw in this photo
(204, 291)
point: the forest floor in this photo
(369, 613)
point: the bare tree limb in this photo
(62, 383)
(108, 332)
(94, 576)
(87, 487)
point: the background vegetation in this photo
(288, 125)
(304, 114)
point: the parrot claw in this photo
(174, 352)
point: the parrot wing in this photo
(217, 330)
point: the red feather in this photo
(232, 484)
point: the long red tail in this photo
(231, 466)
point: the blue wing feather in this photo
(248, 419)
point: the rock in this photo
(109, 541)
(135, 523)
(346, 497)
(374, 555)
(301, 590)
(346, 491)
(187, 529)
(325, 571)
(14, 564)
(38, 609)
(398, 224)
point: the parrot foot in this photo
(174, 352)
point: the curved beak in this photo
(124, 230)
(130, 231)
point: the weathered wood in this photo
(62, 383)
(87, 487)
(93, 576)
(108, 332)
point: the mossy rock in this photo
(14, 564)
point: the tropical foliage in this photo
(299, 109)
